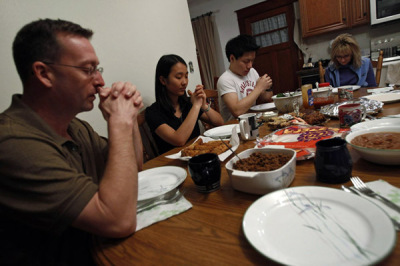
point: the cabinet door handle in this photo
(365, 14)
(344, 19)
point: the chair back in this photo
(212, 98)
(321, 72)
(378, 66)
(150, 150)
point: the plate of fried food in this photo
(208, 145)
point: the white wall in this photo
(130, 36)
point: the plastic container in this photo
(308, 99)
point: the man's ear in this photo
(232, 58)
(163, 80)
(42, 72)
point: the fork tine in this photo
(357, 182)
(360, 182)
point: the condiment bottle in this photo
(325, 84)
(308, 99)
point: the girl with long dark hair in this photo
(173, 118)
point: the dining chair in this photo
(378, 66)
(212, 98)
(150, 150)
(321, 72)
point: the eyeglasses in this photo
(89, 70)
(342, 56)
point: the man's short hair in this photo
(239, 45)
(37, 41)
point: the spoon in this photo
(230, 148)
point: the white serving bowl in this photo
(379, 156)
(322, 92)
(262, 182)
(285, 104)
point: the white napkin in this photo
(161, 212)
(380, 90)
(393, 74)
(388, 191)
(234, 141)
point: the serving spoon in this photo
(230, 148)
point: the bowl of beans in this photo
(377, 142)
(260, 171)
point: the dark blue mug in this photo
(332, 161)
(205, 170)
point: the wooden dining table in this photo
(210, 233)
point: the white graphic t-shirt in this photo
(242, 85)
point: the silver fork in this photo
(174, 199)
(362, 187)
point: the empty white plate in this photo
(385, 97)
(318, 226)
(263, 107)
(160, 180)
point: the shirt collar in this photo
(22, 113)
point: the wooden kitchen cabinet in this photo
(322, 16)
(359, 12)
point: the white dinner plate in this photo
(355, 87)
(221, 132)
(318, 226)
(385, 97)
(263, 107)
(383, 122)
(160, 180)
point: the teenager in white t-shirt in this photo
(240, 87)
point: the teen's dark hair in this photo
(37, 41)
(164, 66)
(239, 45)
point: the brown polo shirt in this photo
(45, 182)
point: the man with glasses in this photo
(60, 182)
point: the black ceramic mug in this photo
(205, 170)
(333, 162)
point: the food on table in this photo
(308, 117)
(200, 147)
(301, 138)
(267, 115)
(378, 140)
(260, 162)
(313, 118)
(278, 122)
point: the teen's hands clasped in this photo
(264, 82)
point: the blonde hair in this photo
(346, 44)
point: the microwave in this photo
(384, 11)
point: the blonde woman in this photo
(347, 67)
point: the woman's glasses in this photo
(339, 57)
